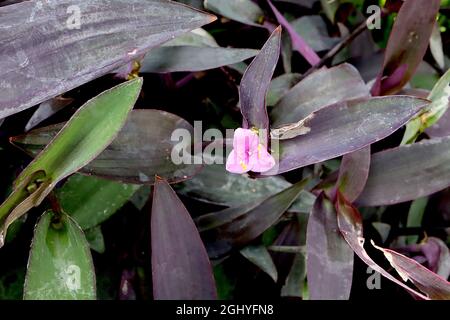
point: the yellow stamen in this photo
(243, 165)
(135, 72)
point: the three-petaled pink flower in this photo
(248, 153)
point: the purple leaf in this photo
(350, 225)
(434, 250)
(353, 173)
(407, 45)
(280, 86)
(305, 3)
(346, 127)
(330, 259)
(142, 149)
(191, 58)
(44, 53)
(213, 184)
(243, 11)
(255, 84)
(314, 30)
(298, 43)
(46, 110)
(436, 46)
(9, 2)
(441, 128)
(292, 268)
(260, 257)
(336, 84)
(236, 227)
(436, 287)
(407, 173)
(180, 266)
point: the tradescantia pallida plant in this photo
(313, 156)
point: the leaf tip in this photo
(211, 18)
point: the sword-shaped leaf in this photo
(48, 47)
(350, 225)
(336, 84)
(90, 200)
(439, 98)
(407, 45)
(346, 127)
(180, 264)
(142, 149)
(90, 130)
(60, 264)
(298, 43)
(330, 259)
(407, 173)
(244, 11)
(235, 227)
(353, 173)
(191, 58)
(436, 287)
(256, 82)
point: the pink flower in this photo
(248, 154)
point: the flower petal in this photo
(245, 140)
(236, 164)
(261, 160)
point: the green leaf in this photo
(436, 47)
(235, 227)
(259, 256)
(439, 98)
(244, 11)
(94, 237)
(60, 264)
(412, 131)
(11, 284)
(91, 201)
(415, 216)
(295, 281)
(224, 282)
(383, 229)
(90, 130)
(330, 8)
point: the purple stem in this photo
(298, 43)
(185, 80)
